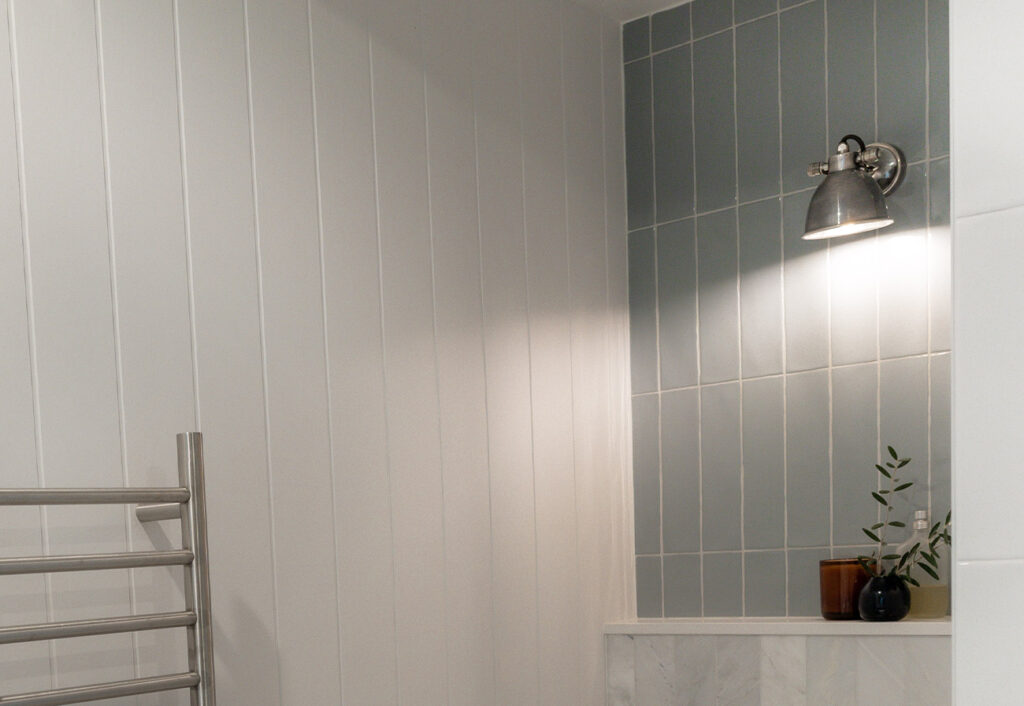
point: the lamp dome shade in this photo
(846, 202)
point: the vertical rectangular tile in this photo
(987, 629)
(720, 471)
(636, 39)
(499, 136)
(940, 433)
(805, 271)
(757, 107)
(765, 581)
(938, 78)
(77, 375)
(620, 679)
(763, 464)
(832, 670)
(744, 10)
(215, 127)
(903, 269)
(902, 75)
(716, 275)
(784, 670)
(341, 59)
(24, 667)
(802, 52)
(851, 69)
(648, 586)
(853, 294)
(655, 669)
(904, 425)
(459, 340)
(646, 475)
(940, 255)
(695, 669)
(673, 134)
(680, 463)
(643, 317)
(147, 232)
(670, 27)
(807, 456)
(714, 120)
(804, 584)
(710, 16)
(989, 289)
(855, 451)
(723, 584)
(682, 585)
(294, 366)
(761, 287)
(737, 669)
(639, 145)
(677, 304)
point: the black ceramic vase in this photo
(884, 598)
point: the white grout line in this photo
(928, 242)
(30, 317)
(785, 340)
(696, 305)
(657, 333)
(327, 348)
(108, 203)
(739, 315)
(828, 299)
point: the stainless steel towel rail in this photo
(187, 504)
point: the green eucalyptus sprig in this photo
(928, 560)
(874, 564)
(925, 558)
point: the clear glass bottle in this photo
(931, 598)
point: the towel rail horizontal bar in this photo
(93, 562)
(97, 626)
(96, 692)
(160, 511)
(92, 496)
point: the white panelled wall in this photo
(376, 252)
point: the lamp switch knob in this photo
(817, 169)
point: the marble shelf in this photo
(779, 626)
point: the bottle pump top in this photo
(920, 519)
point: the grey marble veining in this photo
(777, 670)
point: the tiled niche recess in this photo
(768, 372)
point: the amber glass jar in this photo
(841, 582)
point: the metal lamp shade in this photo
(847, 202)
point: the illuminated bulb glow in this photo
(847, 229)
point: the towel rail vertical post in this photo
(197, 574)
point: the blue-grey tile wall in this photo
(769, 372)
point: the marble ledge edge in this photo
(780, 626)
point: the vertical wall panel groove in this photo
(355, 366)
(410, 364)
(215, 125)
(22, 530)
(499, 135)
(459, 338)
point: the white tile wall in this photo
(376, 253)
(986, 106)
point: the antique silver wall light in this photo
(852, 197)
